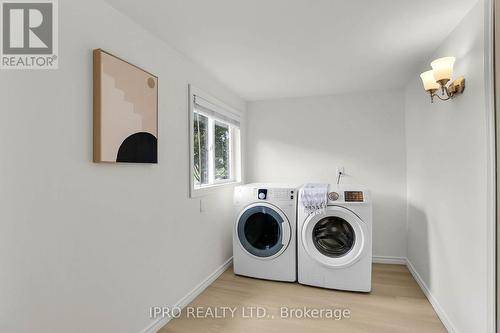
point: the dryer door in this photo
(263, 231)
(335, 238)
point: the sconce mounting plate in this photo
(457, 86)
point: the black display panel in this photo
(353, 196)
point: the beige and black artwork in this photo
(125, 111)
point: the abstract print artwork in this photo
(125, 111)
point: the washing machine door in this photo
(263, 231)
(335, 238)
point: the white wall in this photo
(305, 139)
(447, 163)
(90, 247)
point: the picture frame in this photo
(125, 111)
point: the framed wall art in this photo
(125, 111)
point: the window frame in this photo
(235, 152)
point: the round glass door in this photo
(333, 236)
(260, 231)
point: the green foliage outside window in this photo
(200, 145)
(221, 152)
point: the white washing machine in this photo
(335, 246)
(264, 235)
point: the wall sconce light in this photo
(438, 78)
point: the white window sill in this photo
(202, 191)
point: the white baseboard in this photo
(183, 302)
(435, 304)
(389, 260)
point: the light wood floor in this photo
(396, 304)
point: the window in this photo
(215, 143)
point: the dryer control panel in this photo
(280, 194)
(260, 192)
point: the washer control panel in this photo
(339, 196)
(353, 196)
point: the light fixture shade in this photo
(443, 68)
(429, 81)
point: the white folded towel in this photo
(314, 197)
